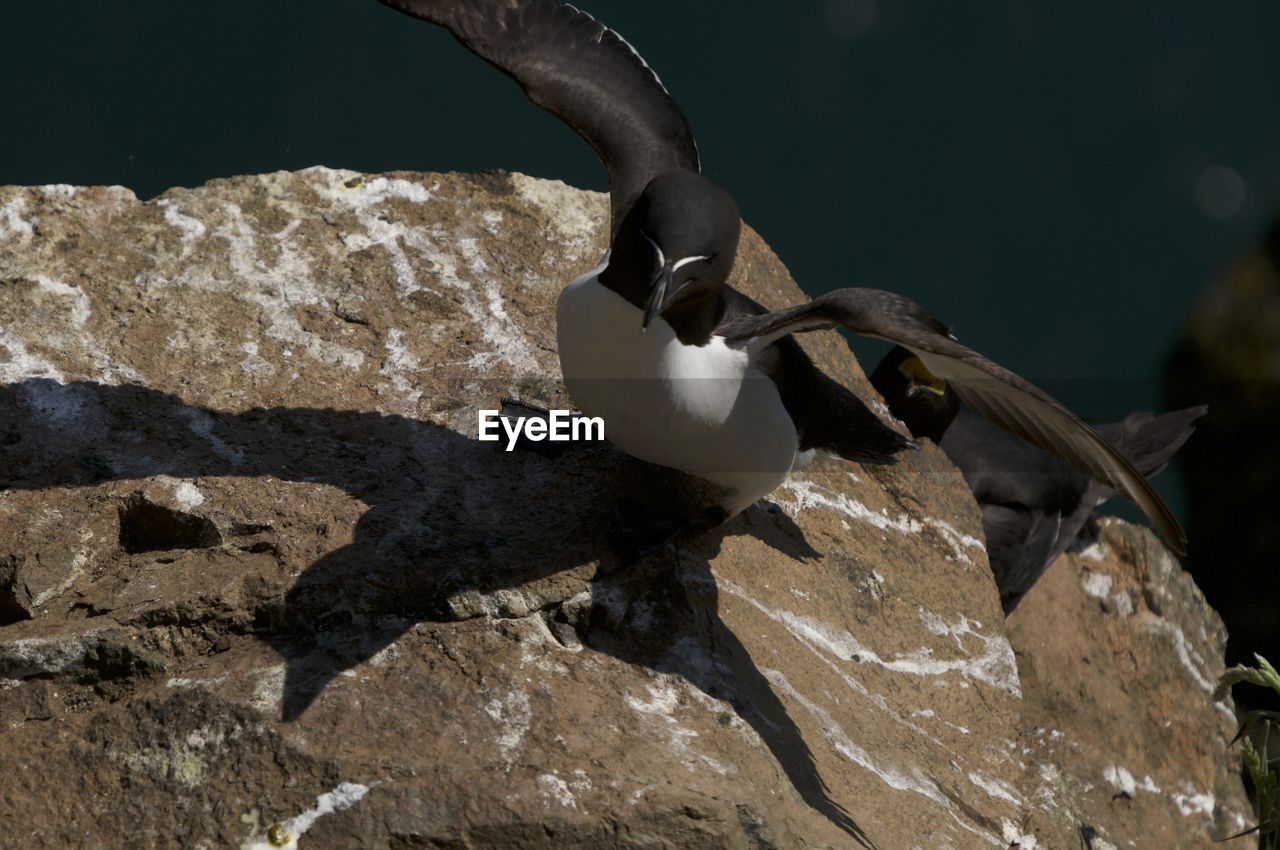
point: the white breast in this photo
(706, 410)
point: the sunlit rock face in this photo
(259, 580)
(1113, 643)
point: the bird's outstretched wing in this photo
(582, 72)
(992, 390)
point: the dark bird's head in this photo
(676, 245)
(923, 401)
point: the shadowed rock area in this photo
(1229, 356)
(258, 576)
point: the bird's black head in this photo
(924, 402)
(676, 245)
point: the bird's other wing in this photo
(582, 72)
(992, 390)
(1020, 547)
(826, 415)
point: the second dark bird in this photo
(1033, 504)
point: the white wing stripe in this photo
(624, 42)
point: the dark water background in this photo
(1057, 180)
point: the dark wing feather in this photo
(826, 414)
(582, 72)
(1021, 545)
(992, 390)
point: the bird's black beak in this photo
(661, 293)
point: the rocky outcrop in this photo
(259, 582)
(1118, 654)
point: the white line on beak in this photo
(684, 262)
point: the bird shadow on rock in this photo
(665, 616)
(455, 528)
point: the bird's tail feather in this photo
(1149, 440)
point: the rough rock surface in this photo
(255, 570)
(1118, 653)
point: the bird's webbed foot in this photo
(637, 531)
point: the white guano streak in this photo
(809, 495)
(279, 287)
(21, 364)
(11, 221)
(485, 308)
(346, 795)
(914, 781)
(193, 230)
(994, 666)
(363, 199)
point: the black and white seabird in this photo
(1033, 505)
(685, 371)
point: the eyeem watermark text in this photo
(558, 426)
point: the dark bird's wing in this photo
(992, 390)
(1033, 504)
(1021, 544)
(582, 72)
(826, 415)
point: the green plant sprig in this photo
(1260, 768)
